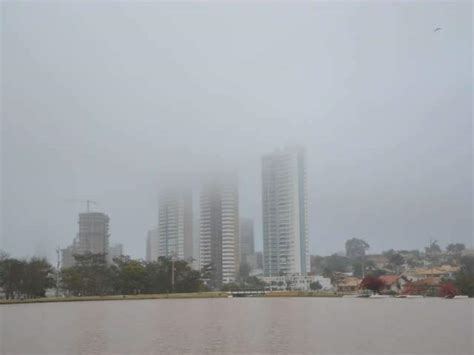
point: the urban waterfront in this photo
(241, 325)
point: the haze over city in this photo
(104, 101)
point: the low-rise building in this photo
(294, 282)
(439, 272)
(393, 283)
(427, 287)
(379, 260)
(348, 284)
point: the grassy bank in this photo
(166, 296)
(301, 294)
(120, 297)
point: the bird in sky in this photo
(437, 29)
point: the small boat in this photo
(350, 296)
(460, 297)
(414, 296)
(380, 296)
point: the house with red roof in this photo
(393, 283)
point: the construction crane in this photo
(87, 202)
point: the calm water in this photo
(242, 325)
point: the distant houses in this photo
(418, 281)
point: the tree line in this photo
(355, 260)
(93, 276)
(462, 284)
(25, 278)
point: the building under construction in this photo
(93, 237)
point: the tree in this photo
(356, 248)
(11, 273)
(456, 248)
(414, 262)
(244, 271)
(231, 286)
(395, 261)
(448, 290)
(25, 278)
(333, 264)
(372, 283)
(129, 276)
(316, 264)
(38, 276)
(90, 276)
(464, 279)
(314, 286)
(3, 255)
(251, 283)
(433, 248)
(71, 281)
(359, 264)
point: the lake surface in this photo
(240, 325)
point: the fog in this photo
(100, 101)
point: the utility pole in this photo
(58, 265)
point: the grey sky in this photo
(98, 100)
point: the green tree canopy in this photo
(455, 248)
(464, 280)
(25, 278)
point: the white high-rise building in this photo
(219, 229)
(247, 248)
(285, 209)
(175, 224)
(152, 245)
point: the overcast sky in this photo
(99, 100)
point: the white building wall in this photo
(152, 247)
(175, 224)
(219, 228)
(284, 209)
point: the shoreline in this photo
(192, 295)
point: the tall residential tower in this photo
(284, 202)
(175, 225)
(219, 229)
(152, 243)
(247, 248)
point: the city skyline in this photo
(383, 109)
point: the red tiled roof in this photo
(389, 279)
